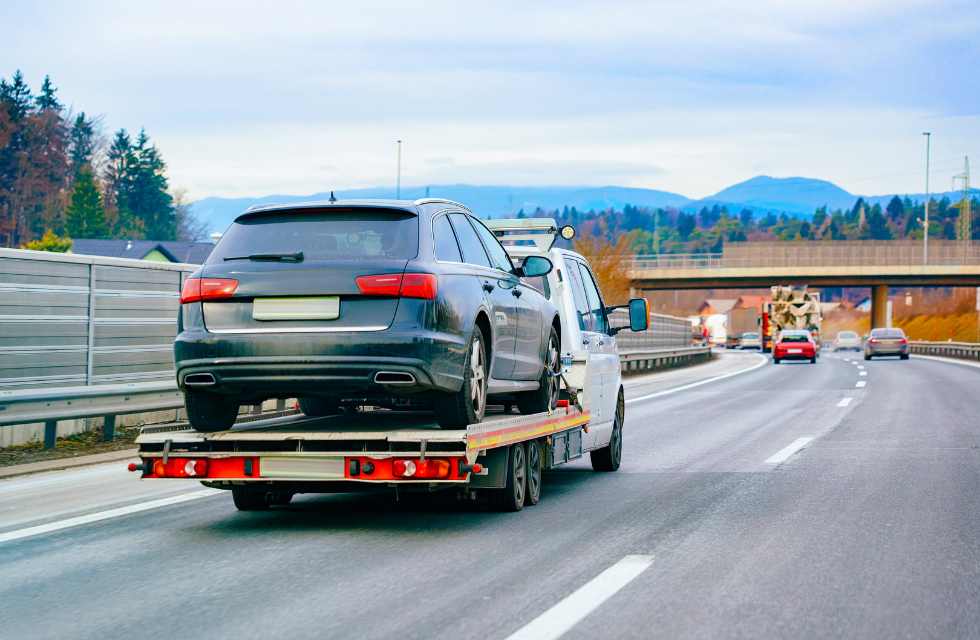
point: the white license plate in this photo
(302, 469)
(795, 351)
(312, 308)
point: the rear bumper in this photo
(255, 366)
(795, 356)
(888, 351)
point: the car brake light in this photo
(408, 285)
(904, 341)
(200, 289)
(872, 340)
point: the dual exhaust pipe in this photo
(381, 377)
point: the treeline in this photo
(678, 231)
(61, 177)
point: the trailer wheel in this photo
(609, 457)
(534, 472)
(251, 499)
(511, 497)
(210, 412)
(317, 407)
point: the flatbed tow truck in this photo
(265, 462)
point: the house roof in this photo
(750, 302)
(717, 305)
(174, 250)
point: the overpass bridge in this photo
(875, 264)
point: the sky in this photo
(248, 98)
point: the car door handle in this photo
(487, 287)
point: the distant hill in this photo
(794, 196)
(485, 201)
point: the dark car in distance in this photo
(347, 303)
(886, 342)
(794, 344)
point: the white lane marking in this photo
(844, 401)
(557, 620)
(104, 515)
(860, 366)
(762, 362)
(862, 373)
(784, 454)
(861, 383)
(965, 363)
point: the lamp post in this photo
(398, 179)
(925, 231)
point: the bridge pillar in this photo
(879, 306)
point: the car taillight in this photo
(407, 285)
(873, 340)
(428, 468)
(200, 289)
(904, 341)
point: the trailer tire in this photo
(535, 466)
(511, 497)
(545, 397)
(250, 499)
(609, 457)
(467, 406)
(317, 407)
(210, 412)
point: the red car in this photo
(794, 345)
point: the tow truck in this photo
(265, 462)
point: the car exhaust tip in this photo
(394, 377)
(199, 380)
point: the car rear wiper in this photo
(270, 257)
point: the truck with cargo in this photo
(790, 308)
(265, 462)
(740, 320)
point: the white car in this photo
(750, 340)
(847, 341)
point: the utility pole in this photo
(925, 231)
(965, 226)
(398, 180)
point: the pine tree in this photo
(86, 216)
(148, 197)
(48, 99)
(81, 143)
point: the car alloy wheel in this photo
(478, 379)
(554, 367)
(520, 475)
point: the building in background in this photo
(189, 252)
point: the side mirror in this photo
(536, 266)
(639, 315)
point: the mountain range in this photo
(793, 196)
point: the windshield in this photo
(322, 235)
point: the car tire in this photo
(511, 497)
(813, 360)
(775, 360)
(210, 412)
(317, 407)
(609, 457)
(545, 397)
(867, 357)
(904, 356)
(535, 468)
(467, 406)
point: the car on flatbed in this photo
(267, 461)
(410, 304)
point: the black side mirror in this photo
(639, 314)
(535, 266)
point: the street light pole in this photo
(925, 232)
(398, 180)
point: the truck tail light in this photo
(407, 285)
(197, 467)
(428, 468)
(202, 289)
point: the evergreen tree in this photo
(896, 210)
(48, 99)
(85, 214)
(81, 143)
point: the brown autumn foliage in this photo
(609, 263)
(937, 316)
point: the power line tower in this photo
(964, 226)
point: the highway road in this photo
(754, 500)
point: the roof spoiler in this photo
(513, 232)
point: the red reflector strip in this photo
(198, 289)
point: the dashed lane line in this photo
(844, 401)
(861, 383)
(786, 453)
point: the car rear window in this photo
(750, 335)
(888, 334)
(794, 337)
(323, 235)
(849, 335)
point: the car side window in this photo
(446, 248)
(469, 242)
(498, 255)
(578, 295)
(596, 309)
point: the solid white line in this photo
(844, 401)
(862, 373)
(965, 363)
(762, 362)
(784, 454)
(557, 620)
(104, 515)
(861, 383)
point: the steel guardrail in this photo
(959, 350)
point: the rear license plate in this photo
(302, 469)
(795, 351)
(313, 308)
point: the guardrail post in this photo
(89, 352)
(109, 428)
(50, 433)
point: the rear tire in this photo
(904, 356)
(317, 407)
(254, 499)
(867, 357)
(775, 360)
(466, 406)
(210, 412)
(511, 497)
(535, 464)
(813, 360)
(609, 457)
(545, 398)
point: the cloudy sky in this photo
(287, 97)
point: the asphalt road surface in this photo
(753, 501)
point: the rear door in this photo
(497, 286)
(303, 270)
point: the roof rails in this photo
(441, 201)
(542, 232)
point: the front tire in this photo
(467, 406)
(545, 398)
(210, 412)
(611, 456)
